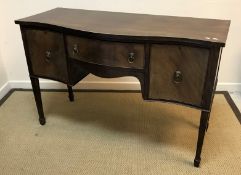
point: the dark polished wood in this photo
(76, 73)
(38, 99)
(130, 24)
(211, 77)
(113, 54)
(71, 94)
(201, 134)
(176, 59)
(46, 51)
(189, 62)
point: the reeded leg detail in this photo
(38, 99)
(201, 134)
(71, 94)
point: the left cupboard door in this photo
(47, 54)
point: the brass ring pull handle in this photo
(75, 49)
(177, 77)
(131, 57)
(48, 56)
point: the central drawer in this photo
(116, 54)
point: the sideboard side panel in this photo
(211, 77)
(25, 44)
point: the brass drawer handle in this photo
(48, 56)
(75, 49)
(177, 77)
(131, 57)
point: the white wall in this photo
(4, 87)
(3, 75)
(12, 48)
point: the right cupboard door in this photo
(177, 73)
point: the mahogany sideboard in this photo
(176, 59)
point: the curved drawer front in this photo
(47, 54)
(126, 55)
(177, 73)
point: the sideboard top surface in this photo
(129, 24)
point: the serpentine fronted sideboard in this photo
(176, 59)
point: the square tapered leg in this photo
(201, 134)
(71, 94)
(38, 99)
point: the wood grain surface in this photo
(38, 43)
(106, 53)
(129, 24)
(190, 61)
